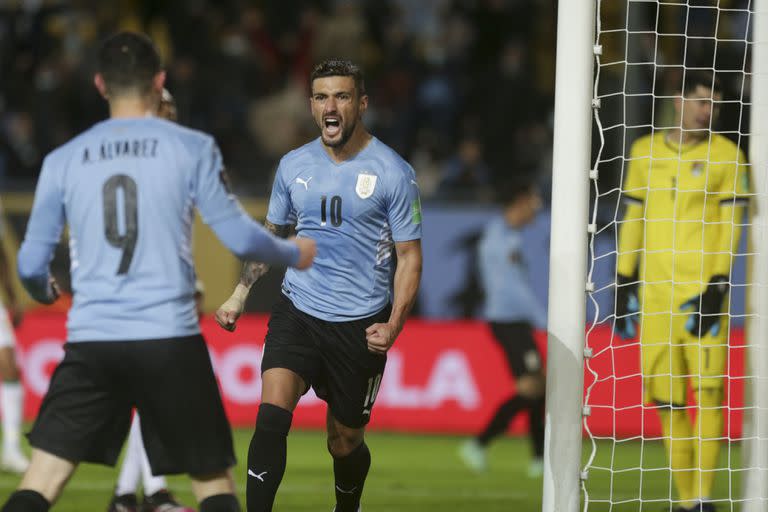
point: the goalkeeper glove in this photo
(706, 309)
(627, 307)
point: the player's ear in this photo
(679, 102)
(158, 82)
(101, 86)
(363, 104)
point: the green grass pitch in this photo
(418, 473)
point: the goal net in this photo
(674, 411)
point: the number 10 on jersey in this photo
(335, 211)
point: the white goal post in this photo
(576, 225)
(755, 431)
(568, 255)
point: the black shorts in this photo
(331, 357)
(516, 338)
(86, 413)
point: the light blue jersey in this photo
(355, 211)
(508, 294)
(127, 189)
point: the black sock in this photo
(266, 457)
(220, 503)
(26, 501)
(501, 419)
(350, 473)
(536, 412)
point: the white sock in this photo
(11, 402)
(151, 483)
(130, 472)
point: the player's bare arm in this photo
(14, 307)
(382, 336)
(230, 311)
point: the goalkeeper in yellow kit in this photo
(685, 191)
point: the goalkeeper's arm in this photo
(629, 245)
(230, 311)
(707, 308)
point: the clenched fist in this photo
(230, 311)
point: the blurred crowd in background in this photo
(463, 89)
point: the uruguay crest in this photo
(697, 168)
(366, 183)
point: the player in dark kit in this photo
(512, 310)
(333, 325)
(127, 188)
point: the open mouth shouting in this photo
(331, 126)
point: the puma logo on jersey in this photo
(260, 476)
(304, 182)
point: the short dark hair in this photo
(128, 61)
(699, 77)
(512, 190)
(338, 67)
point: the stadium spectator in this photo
(512, 311)
(126, 187)
(226, 59)
(11, 390)
(332, 327)
(685, 192)
(465, 175)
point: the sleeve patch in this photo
(416, 211)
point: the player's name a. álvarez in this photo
(111, 149)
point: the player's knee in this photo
(282, 387)
(531, 386)
(343, 441)
(220, 503)
(274, 419)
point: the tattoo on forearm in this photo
(253, 270)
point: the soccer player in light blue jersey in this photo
(333, 325)
(135, 466)
(512, 310)
(127, 188)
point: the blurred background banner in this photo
(441, 377)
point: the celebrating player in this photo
(127, 187)
(11, 390)
(685, 192)
(333, 325)
(135, 467)
(512, 310)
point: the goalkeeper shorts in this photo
(672, 358)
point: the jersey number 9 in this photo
(127, 240)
